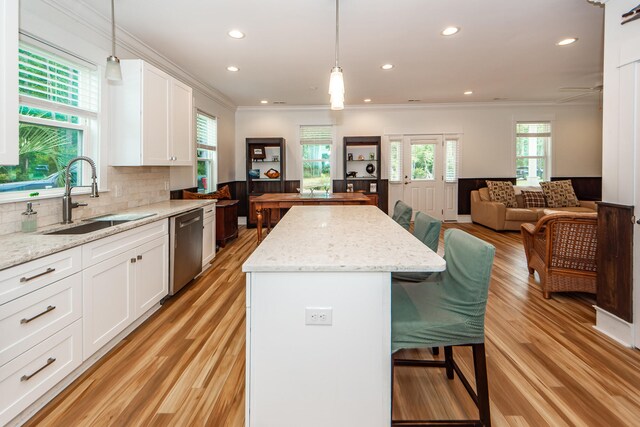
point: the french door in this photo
(423, 177)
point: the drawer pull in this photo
(47, 271)
(210, 210)
(28, 377)
(50, 308)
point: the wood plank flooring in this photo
(185, 366)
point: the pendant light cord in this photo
(113, 29)
(337, 29)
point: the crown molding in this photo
(92, 20)
(425, 106)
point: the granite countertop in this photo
(341, 238)
(18, 248)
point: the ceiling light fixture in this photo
(567, 41)
(449, 31)
(113, 71)
(469, 92)
(264, 101)
(387, 66)
(236, 34)
(233, 68)
(336, 81)
(367, 100)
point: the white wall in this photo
(488, 133)
(621, 140)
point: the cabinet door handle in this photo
(139, 257)
(48, 309)
(47, 271)
(133, 260)
(28, 377)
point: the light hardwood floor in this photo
(547, 366)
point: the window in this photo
(206, 148)
(58, 114)
(452, 153)
(422, 162)
(316, 157)
(533, 143)
(395, 159)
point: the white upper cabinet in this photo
(8, 82)
(151, 118)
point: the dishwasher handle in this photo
(191, 221)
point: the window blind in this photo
(395, 159)
(452, 153)
(56, 82)
(206, 131)
(316, 134)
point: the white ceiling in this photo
(505, 49)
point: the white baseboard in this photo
(614, 327)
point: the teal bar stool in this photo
(402, 214)
(426, 229)
(448, 313)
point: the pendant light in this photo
(113, 71)
(336, 81)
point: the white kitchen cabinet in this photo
(151, 118)
(208, 235)
(120, 289)
(9, 82)
(152, 279)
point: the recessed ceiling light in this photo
(567, 41)
(367, 100)
(233, 68)
(469, 92)
(236, 34)
(449, 31)
(264, 101)
(387, 66)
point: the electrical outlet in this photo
(318, 315)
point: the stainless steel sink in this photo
(87, 227)
(122, 217)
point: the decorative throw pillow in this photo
(221, 194)
(559, 194)
(533, 199)
(502, 192)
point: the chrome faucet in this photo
(67, 204)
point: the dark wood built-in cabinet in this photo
(614, 258)
(362, 164)
(264, 155)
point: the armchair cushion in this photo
(502, 192)
(559, 194)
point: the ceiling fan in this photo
(579, 92)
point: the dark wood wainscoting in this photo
(586, 188)
(467, 185)
(615, 259)
(340, 186)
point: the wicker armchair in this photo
(561, 247)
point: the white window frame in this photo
(396, 142)
(455, 138)
(547, 157)
(331, 156)
(90, 124)
(211, 161)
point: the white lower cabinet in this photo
(121, 289)
(208, 235)
(26, 378)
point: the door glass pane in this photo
(422, 161)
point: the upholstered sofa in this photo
(497, 216)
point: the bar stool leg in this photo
(482, 385)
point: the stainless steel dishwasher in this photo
(185, 242)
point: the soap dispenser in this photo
(29, 219)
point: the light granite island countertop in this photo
(18, 248)
(318, 316)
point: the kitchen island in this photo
(319, 316)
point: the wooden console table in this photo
(226, 221)
(269, 201)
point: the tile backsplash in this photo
(129, 187)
